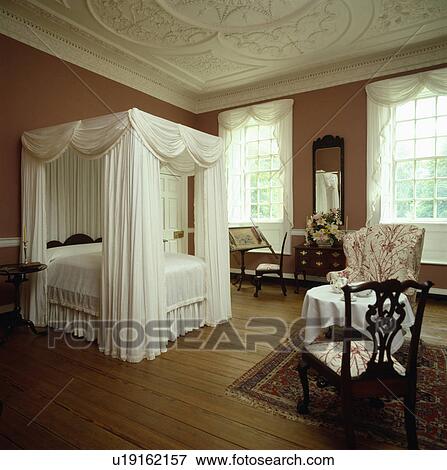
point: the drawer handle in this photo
(336, 254)
(304, 252)
(319, 263)
(336, 265)
(304, 262)
(319, 253)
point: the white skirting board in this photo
(250, 272)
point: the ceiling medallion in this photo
(144, 21)
(229, 15)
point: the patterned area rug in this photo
(274, 385)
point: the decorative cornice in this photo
(375, 66)
(127, 70)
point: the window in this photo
(258, 148)
(255, 188)
(419, 182)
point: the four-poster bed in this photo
(101, 176)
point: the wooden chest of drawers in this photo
(317, 261)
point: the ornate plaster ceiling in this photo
(211, 51)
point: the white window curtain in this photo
(382, 97)
(132, 144)
(278, 113)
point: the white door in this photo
(174, 199)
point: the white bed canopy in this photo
(134, 145)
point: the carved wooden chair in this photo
(366, 368)
(270, 268)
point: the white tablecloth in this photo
(323, 308)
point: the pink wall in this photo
(339, 110)
(39, 90)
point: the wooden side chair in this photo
(366, 368)
(270, 268)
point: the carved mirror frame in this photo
(330, 141)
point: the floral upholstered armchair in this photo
(381, 252)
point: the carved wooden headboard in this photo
(77, 239)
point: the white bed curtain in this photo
(383, 96)
(132, 145)
(75, 187)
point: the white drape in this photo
(74, 188)
(133, 143)
(279, 114)
(383, 96)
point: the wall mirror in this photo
(328, 174)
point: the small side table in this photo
(16, 275)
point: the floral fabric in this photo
(331, 354)
(381, 252)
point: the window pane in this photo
(276, 163)
(264, 179)
(424, 209)
(254, 211)
(252, 149)
(265, 163)
(276, 194)
(442, 209)
(425, 107)
(252, 133)
(405, 149)
(264, 147)
(265, 132)
(264, 211)
(252, 164)
(441, 146)
(404, 209)
(442, 105)
(405, 111)
(425, 147)
(254, 196)
(275, 181)
(441, 188)
(405, 130)
(264, 195)
(275, 148)
(254, 180)
(425, 189)
(441, 125)
(404, 190)
(441, 167)
(425, 169)
(404, 170)
(426, 127)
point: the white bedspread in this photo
(74, 278)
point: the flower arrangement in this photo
(323, 228)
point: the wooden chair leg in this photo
(347, 418)
(410, 420)
(303, 405)
(257, 285)
(283, 285)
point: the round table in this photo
(16, 275)
(323, 308)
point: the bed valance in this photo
(134, 145)
(175, 145)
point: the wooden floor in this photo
(66, 398)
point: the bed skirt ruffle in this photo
(181, 321)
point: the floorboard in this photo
(65, 398)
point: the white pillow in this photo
(72, 250)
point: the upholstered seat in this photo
(271, 268)
(381, 252)
(267, 267)
(331, 354)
